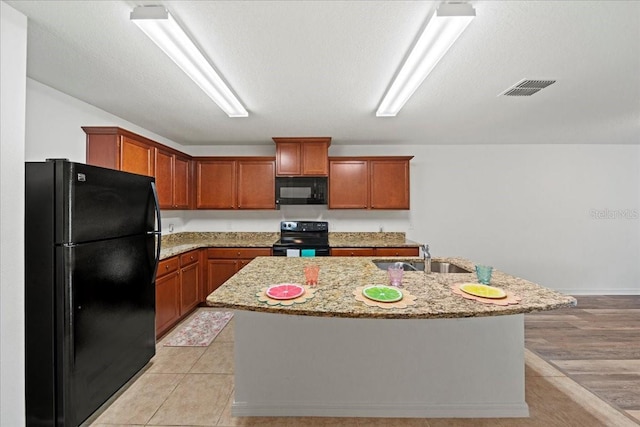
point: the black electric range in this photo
(303, 238)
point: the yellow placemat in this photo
(309, 293)
(508, 300)
(406, 301)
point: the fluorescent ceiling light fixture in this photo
(158, 24)
(438, 36)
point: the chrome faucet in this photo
(427, 258)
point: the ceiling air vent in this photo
(527, 87)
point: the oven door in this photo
(300, 251)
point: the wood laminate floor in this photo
(597, 344)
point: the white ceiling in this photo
(320, 68)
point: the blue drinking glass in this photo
(483, 272)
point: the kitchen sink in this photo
(410, 265)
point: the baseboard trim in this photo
(498, 410)
(586, 292)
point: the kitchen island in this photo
(332, 355)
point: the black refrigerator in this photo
(92, 245)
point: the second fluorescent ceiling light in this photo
(441, 32)
(158, 24)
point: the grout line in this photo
(166, 398)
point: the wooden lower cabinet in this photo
(402, 251)
(386, 251)
(353, 251)
(222, 263)
(167, 295)
(189, 281)
(218, 272)
(177, 289)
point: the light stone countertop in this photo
(178, 243)
(340, 276)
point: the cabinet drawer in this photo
(397, 251)
(189, 258)
(352, 251)
(237, 253)
(167, 266)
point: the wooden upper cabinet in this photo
(348, 184)
(389, 184)
(302, 156)
(117, 148)
(172, 180)
(256, 184)
(235, 183)
(215, 184)
(164, 174)
(137, 157)
(181, 182)
(369, 182)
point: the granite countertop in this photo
(175, 244)
(369, 240)
(178, 243)
(340, 276)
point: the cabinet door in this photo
(218, 272)
(137, 157)
(164, 178)
(167, 301)
(256, 184)
(189, 283)
(314, 159)
(181, 182)
(389, 184)
(348, 184)
(216, 184)
(288, 159)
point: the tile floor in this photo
(193, 386)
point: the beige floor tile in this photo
(227, 420)
(326, 422)
(175, 360)
(141, 400)
(199, 400)
(392, 422)
(218, 359)
(118, 425)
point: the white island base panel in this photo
(288, 365)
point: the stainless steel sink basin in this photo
(445, 267)
(436, 266)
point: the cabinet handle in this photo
(166, 267)
(191, 257)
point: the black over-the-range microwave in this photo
(301, 190)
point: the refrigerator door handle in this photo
(157, 232)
